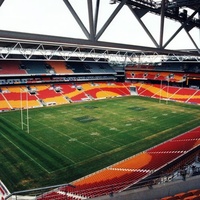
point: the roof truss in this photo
(34, 46)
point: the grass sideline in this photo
(70, 141)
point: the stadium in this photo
(90, 119)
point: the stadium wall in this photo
(156, 192)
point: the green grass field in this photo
(70, 141)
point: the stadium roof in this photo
(28, 44)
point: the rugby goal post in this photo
(26, 121)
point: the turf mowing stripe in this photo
(46, 144)
(35, 149)
(25, 153)
(69, 137)
(55, 150)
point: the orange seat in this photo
(169, 198)
(180, 195)
(193, 197)
(183, 195)
(195, 191)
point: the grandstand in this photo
(104, 129)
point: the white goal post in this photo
(26, 121)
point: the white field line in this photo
(69, 137)
(25, 153)
(46, 144)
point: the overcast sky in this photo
(52, 17)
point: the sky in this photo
(52, 17)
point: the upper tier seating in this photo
(52, 67)
(90, 67)
(99, 68)
(78, 67)
(35, 67)
(60, 67)
(135, 75)
(161, 76)
(10, 68)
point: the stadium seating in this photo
(99, 68)
(17, 97)
(187, 95)
(92, 90)
(108, 90)
(10, 100)
(166, 92)
(135, 75)
(10, 95)
(195, 98)
(156, 75)
(35, 67)
(183, 94)
(68, 91)
(60, 67)
(78, 67)
(189, 195)
(123, 88)
(145, 89)
(11, 67)
(4, 105)
(49, 95)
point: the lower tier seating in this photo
(15, 97)
(186, 95)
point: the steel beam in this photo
(76, 17)
(1, 2)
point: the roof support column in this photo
(91, 21)
(96, 16)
